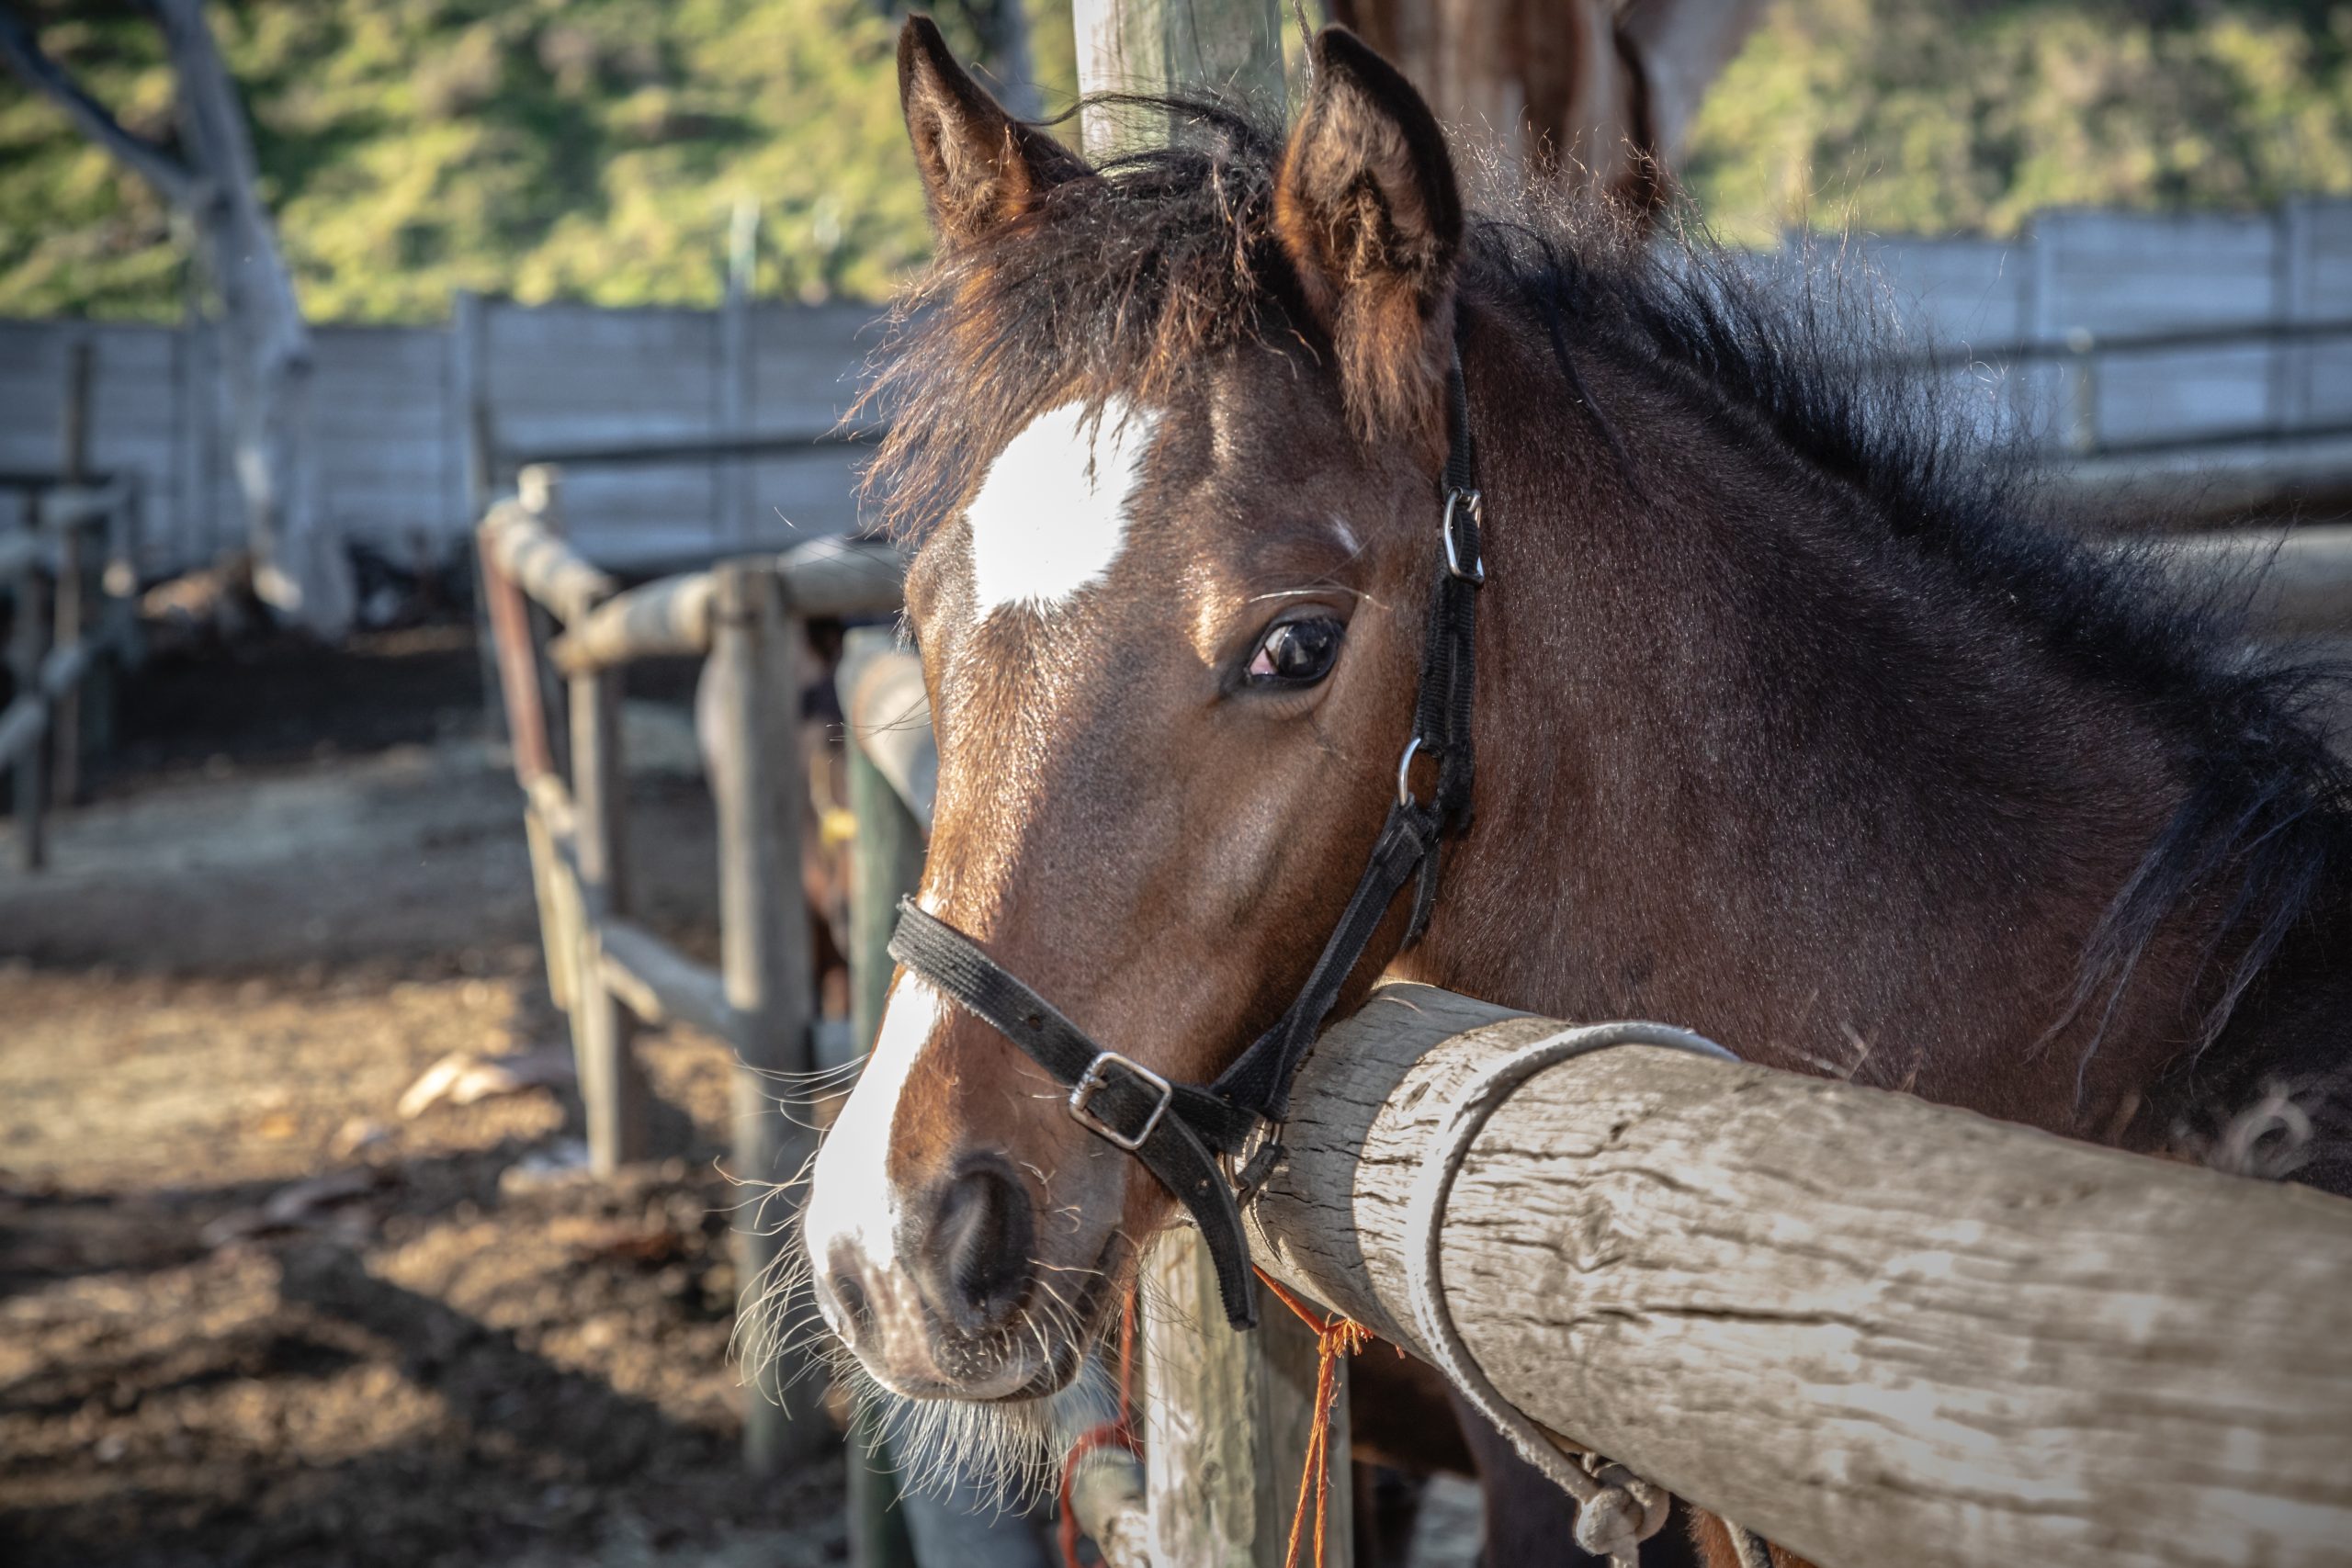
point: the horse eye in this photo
(1296, 653)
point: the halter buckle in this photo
(1474, 573)
(1096, 1078)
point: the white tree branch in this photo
(172, 179)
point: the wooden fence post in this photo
(466, 420)
(506, 614)
(885, 862)
(67, 731)
(732, 476)
(762, 799)
(611, 1086)
(612, 1089)
(1230, 46)
(24, 650)
(1228, 1416)
(118, 612)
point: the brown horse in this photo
(1795, 724)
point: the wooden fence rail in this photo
(608, 972)
(1959, 1342)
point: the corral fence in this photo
(2207, 337)
(69, 548)
(607, 971)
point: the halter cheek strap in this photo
(1179, 1131)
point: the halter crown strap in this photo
(1179, 1130)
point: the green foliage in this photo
(594, 149)
(582, 149)
(1934, 115)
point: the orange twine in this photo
(1334, 1336)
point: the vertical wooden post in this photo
(1228, 1414)
(612, 1089)
(67, 733)
(470, 392)
(2295, 298)
(24, 650)
(191, 468)
(732, 491)
(1227, 1418)
(118, 615)
(537, 489)
(514, 662)
(1231, 47)
(886, 857)
(885, 862)
(763, 799)
(611, 1086)
(467, 423)
(65, 628)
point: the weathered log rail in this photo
(607, 971)
(1976, 1343)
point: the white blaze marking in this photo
(851, 1198)
(1051, 515)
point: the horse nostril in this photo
(854, 1310)
(977, 1252)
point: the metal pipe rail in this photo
(1979, 1343)
(608, 972)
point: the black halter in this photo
(1177, 1129)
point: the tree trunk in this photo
(300, 569)
(1595, 94)
(298, 566)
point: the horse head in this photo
(1174, 551)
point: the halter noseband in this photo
(1179, 1130)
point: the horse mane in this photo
(1131, 281)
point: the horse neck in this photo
(1748, 764)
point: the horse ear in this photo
(980, 167)
(1366, 206)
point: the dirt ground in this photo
(250, 1313)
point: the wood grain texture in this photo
(761, 794)
(612, 1086)
(1225, 1422)
(1875, 1329)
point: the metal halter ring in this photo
(1475, 573)
(1095, 1080)
(1405, 771)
